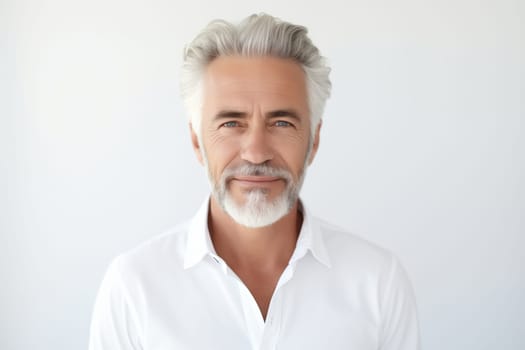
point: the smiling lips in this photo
(256, 181)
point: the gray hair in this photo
(257, 35)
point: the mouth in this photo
(256, 181)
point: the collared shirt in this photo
(174, 292)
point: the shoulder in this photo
(163, 250)
(365, 266)
(357, 260)
(343, 245)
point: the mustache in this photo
(249, 169)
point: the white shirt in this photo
(174, 292)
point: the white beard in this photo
(257, 210)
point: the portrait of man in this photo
(262, 175)
(254, 268)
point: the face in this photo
(255, 136)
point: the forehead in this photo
(236, 79)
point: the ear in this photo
(196, 145)
(315, 145)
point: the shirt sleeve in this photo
(114, 323)
(399, 325)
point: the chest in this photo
(261, 286)
(224, 312)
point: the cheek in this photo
(292, 149)
(220, 152)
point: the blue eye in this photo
(231, 124)
(282, 123)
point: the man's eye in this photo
(231, 124)
(282, 123)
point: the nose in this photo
(256, 146)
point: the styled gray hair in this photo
(257, 35)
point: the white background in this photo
(422, 151)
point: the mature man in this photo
(254, 269)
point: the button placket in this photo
(252, 316)
(275, 312)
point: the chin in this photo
(257, 210)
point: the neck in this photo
(266, 247)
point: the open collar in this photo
(199, 244)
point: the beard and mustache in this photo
(258, 210)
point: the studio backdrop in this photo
(421, 151)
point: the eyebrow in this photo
(227, 114)
(284, 113)
(232, 114)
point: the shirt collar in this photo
(199, 243)
(310, 239)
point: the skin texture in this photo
(255, 110)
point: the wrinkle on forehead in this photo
(242, 82)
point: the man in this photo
(254, 269)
